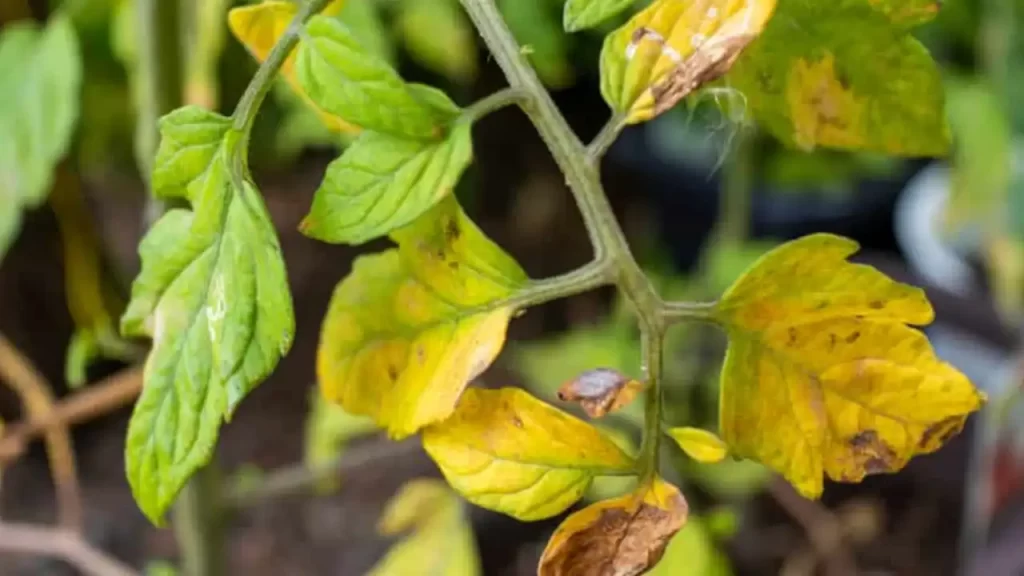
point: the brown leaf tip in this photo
(600, 391)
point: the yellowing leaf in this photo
(626, 535)
(507, 451)
(441, 541)
(671, 48)
(600, 391)
(409, 328)
(823, 375)
(823, 111)
(701, 445)
(259, 26)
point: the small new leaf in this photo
(350, 82)
(823, 375)
(42, 75)
(600, 391)
(626, 535)
(383, 182)
(409, 328)
(581, 14)
(440, 540)
(507, 451)
(701, 445)
(671, 48)
(213, 295)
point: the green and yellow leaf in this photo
(823, 375)
(843, 75)
(383, 182)
(701, 445)
(626, 535)
(507, 451)
(409, 328)
(440, 540)
(672, 48)
(212, 294)
(42, 72)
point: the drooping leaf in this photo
(383, 182)
(259, 26)
(348, 81)
(329, 428)
(213, 295)
(701, 445)
(581, 14)
(42, 74)
(536, 26)
(409, 328)
(824, 376)
(842, 75)
(671, 48)
(600, 391)
(438, 35)
(626, 535)
(507, 451)
(440, 540)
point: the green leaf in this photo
(382, 183)
(580, 14)
(438, 36)
(347, 80)
(41, 72)
(537, 28)
(213, 295)
(849, 78)
(364, 20)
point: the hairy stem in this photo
(583, 177)
(652, 343)
(494, 102)
(605, 138)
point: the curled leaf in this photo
(626, 535)
(701, 445)
(671, 48)
(507, 451)
(823, 375)
(600, 391)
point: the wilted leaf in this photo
(441, 542)
(259, 26)
(823, 375)
(213, 295)
(671, 48)
(840, 74)
(536, 26)
(438, 35)
(626, 535)
(507, 451)
(600, 391)
(383, 182)
(409, 328)
(348, 81)
(701, 445)
(42, 73)
(580, 14)
(328, 431)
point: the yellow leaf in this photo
(671, 48)
(441, 540)
(823, 375)
(507, 451)
(259, 26)
(409, 328)
(600, 391)
(824, 112)
(701, 445)
(626, 535)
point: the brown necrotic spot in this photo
(853, 337)
(877, 304)
(452, 231)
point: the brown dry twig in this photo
(37, 398)
(63, 544)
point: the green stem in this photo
(605, 138)
(199, 523)
(583, 177)
(652, 344)
(737, 188)
(493, 103)
(256, 92)
(675, 312)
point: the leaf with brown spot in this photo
(621, 536)
(600, 391)
(844, 390)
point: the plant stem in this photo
(494, 102)
(199, 523)
(652, 344)
(605, 138)
(583, 177)
(675, 312)
(252, 98)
